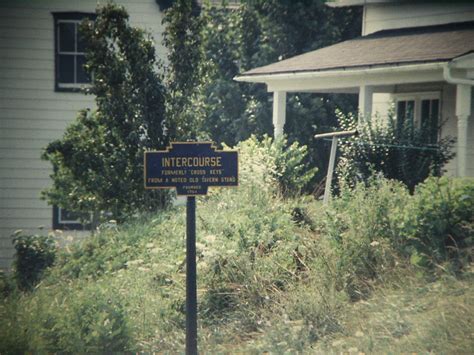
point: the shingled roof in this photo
(385, 48)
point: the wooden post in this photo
(463, 111)
(279, 113)
(332, 158)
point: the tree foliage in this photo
(233, 40)
(405, 153)
(98, 163)
(181, 38)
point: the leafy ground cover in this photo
(379, 270)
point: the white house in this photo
(418, 54)
(40, 71)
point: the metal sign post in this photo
(191, 284)
(190, 167)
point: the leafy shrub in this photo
(34, 253)
(6, 285)
(266, 161)
(439, 224)
(84, 318)
(372, 226)
(407, 154)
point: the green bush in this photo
(80, 318)
(439, 224)
(6, 285)
(373, 225)
(268, 161)
(34, 253)
(406, 153)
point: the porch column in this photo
(463, 111)
(279, 112)
(365, 101)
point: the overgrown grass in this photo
(274, 274)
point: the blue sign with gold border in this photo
(191, 167)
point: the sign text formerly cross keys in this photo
(190, 167)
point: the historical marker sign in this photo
(190, 167)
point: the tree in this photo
(182, 40)
(98, 163)
(255, 34)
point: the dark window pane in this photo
(410, 112)
(67, 37)
(425, 112)
(82, 76)
(69, 216)
(66, 68)
(434, 111)
(66, 216)
(81, 47)
(434, 120)
(401, 110)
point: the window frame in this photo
(60, 224)
(67, 17)
(417, 97)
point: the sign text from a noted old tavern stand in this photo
(190, 167)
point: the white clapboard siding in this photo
(13, 213)
(39, 134)
(24, 173)
(24, 23)
(41, 54)
(48, 104)
(17, 83)
(30, 73)
(25, 33)
(26, 43)
(43, 95)
(20, 194)
(19, 154)
(26, 222)
(25, 203)
(388, 16)
(32, 114)
(24, 164)
(25, 182)
(6, 244)
(26, 63)
(24, 123)
(23, 144)
(40, 115)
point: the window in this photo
(69, 51)
(405, 113)
(422, 110)
(68, 220)
(430, 117)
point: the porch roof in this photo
(386, 48)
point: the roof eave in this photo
(338, 72)
(343, 3)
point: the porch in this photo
(431, 63)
